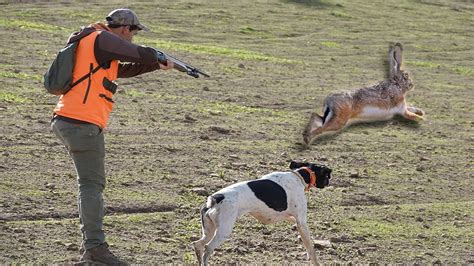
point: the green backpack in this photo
(58, 78)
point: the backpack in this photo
(58, 78)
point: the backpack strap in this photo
(86, 76)
(92, 71)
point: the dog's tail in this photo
(213, 200)
(204, 209)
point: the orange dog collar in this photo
(312, 178)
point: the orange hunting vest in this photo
(91, 99)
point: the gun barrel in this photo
(180, 65)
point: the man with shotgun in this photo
(104, 53)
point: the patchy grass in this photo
(10, 97)
(217, 51)
(29, 25)
(19, 75)
(329, 44)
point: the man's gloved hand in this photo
(169, 64)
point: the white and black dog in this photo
(274, 197)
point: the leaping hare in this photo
(379, 102)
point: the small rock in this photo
(354, 174)
(71, 246)
(205, 89)
(423, 158)
(458, 223)
(211, 112)
(241, 65)
(50, 186)
(204, 137)
(19, 230)
(420, 236)
(165, 240)
(220, 129)
(188, 118)
(200, 191)
(322, 244)
(420, 168)
(419, 219)
(341, 239)
(240, 250)
(238, 164)
(194, 238)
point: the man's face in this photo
(128, 33)
(125, 32)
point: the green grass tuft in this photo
(10, 97)
(330, 44)
(23, 76)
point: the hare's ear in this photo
(395, 60)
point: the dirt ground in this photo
(401, 192)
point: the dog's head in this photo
(323, 173)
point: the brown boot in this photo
(100, 255)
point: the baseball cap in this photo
(124, 17)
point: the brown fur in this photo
(380, 102)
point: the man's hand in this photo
(169, 64)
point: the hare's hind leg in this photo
(413, 113)
(315, 122)
(332, 121)
(416, 110)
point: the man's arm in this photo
(128, 70)
(140, 59)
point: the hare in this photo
(379, 102)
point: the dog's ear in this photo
(295, 165)
(329, 170)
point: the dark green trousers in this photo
(85, 144)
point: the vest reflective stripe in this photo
(89, 100)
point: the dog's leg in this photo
(208, 231)
(224, 228)
(305, 236)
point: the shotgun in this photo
(179, 65)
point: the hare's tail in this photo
(327, 112)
